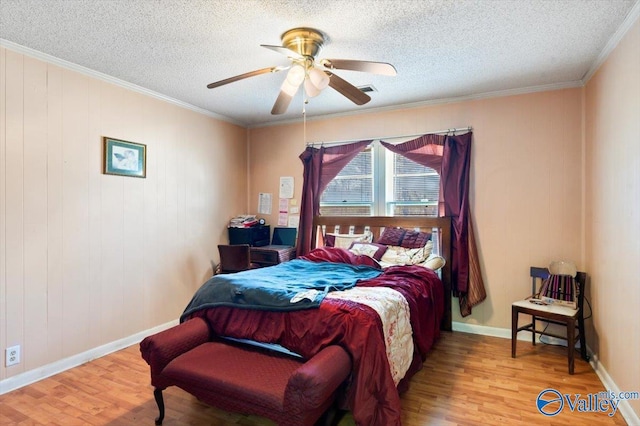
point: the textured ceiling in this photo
(442, 49)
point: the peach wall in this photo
(612, 117)
(86, 258)
(526, 193)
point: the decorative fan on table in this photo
(301, 46)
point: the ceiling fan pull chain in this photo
(304, 123)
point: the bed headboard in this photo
(376, 224)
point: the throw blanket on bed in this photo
(294, 285)
(393, 310)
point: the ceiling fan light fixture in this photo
(296, 75)
(318, 78)
(288, 88)
(310, 89)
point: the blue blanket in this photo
(298, 284)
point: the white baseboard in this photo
(630, 416)
(627, 412)
(484, 330)
(31, 376)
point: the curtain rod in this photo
(342, 142)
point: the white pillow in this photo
(396, 255)
(344, 240)
(434, 262)
(368, 249)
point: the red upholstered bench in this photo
(241, 378)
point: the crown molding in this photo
(624, 28)
(609, 47)
(109, 79)
(455, 99)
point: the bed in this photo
(355, 322)
(377, 224)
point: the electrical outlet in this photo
(12, 356)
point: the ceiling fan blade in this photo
(243, 76)
(287, 92)
(381, 68)
(285, 51)
(348, 90)
(282, 103)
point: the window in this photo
(412, 189)
(379, 182)
(351, 192)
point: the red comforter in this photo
(372, 396)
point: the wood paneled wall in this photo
(87, 258)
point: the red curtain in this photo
(450, 156)
(321, 165)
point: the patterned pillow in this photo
(391, 236)
(368, 249)
(415, 239)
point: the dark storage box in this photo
(255, 236)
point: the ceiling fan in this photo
(301, 46)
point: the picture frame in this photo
(124, 158)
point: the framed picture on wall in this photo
(124, 158)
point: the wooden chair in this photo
(235, 258)
(573, 319)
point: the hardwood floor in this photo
(467, 380)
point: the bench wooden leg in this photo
(331, 417)
(157, 394)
